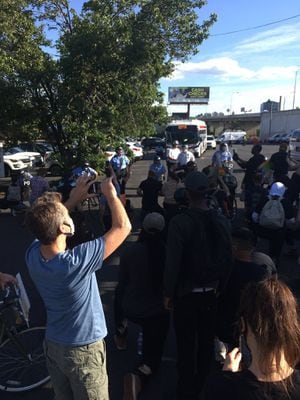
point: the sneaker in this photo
(120, 342)
(132, 387)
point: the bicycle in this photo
(22, 359)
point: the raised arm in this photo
(121, 225)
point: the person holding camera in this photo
(104, 207)
(270, 331)
(251, 168)
(74, 342)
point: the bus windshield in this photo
(184, 134)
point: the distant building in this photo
(180, 115)
(270, 106)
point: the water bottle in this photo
(140, 344)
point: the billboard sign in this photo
(185, 95)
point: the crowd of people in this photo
(236, 324)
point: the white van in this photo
(294, 145)
(233, 136)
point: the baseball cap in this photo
(196, 181)
(277, 189)
(153, 223)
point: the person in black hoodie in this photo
(139, 298)
(251, 168)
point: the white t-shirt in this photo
(184, 157)
(172, 155)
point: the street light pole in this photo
(295, 86)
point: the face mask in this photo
(70, 224)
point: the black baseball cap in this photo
(196, 181)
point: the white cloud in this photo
(227, 68)
(278, 38)
(222, 67)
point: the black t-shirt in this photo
(251, 167)
(151, 189)
(141, 297)
(279, 163)
(294, 188)
(245, 386)
(242, 273)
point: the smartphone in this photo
(107, 170)
(92, 189)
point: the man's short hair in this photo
(44, 220)
(283, 147)
(48, 197)
(244, 237)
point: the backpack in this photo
(208, 255)
(212, 202)
(13, 193)
(272, 215)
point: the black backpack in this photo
(208, 254)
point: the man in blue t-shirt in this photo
(85, 169)
(120, 164)
(158, 168)
(66, 281)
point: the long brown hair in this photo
(271, 311)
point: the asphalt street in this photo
(14, 240)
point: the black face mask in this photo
(244, 349)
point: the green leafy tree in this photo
(102, 85)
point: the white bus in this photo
(191, 132)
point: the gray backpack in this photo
(272, 215)
(13, 193)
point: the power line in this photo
(256, 27)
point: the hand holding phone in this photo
(233, 359)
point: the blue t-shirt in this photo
(79, 171)
(119, 162)
(158, 169)
(69, 289)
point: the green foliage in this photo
(103, 83)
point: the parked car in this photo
(232, 136)
(211, 142)
(34, 156)
(137, 150)
(275, 138)
(151, 143)
(285, 137)
(15, 162)
(45, 149)
(294, 145)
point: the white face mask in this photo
(70, 224)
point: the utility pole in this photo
(295, 86)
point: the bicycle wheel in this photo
(19, 373)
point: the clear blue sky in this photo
(246, 68)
